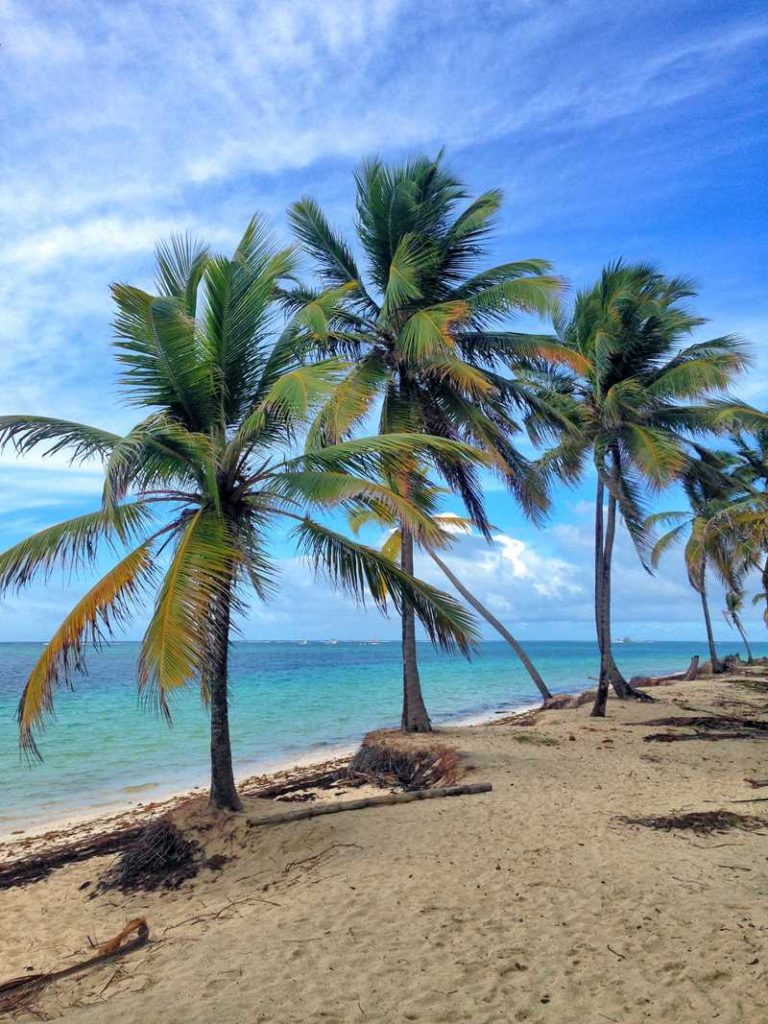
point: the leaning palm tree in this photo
(636, 393)
(450, 524)
(193, 490)
(425, 326)
(734, 604)
(697, 560)
(709, 490)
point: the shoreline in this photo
(160, 798)
(102, 817)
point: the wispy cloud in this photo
(611, 127)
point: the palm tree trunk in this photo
(491, 619)
(603, 683)
(610, 674)
(223, 793)
(743, 635)
(415, 717)
(714, 660)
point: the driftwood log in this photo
(371, 801)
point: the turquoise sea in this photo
(288, 700)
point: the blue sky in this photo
(615, 129)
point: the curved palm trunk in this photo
(743, 634)
(223, 793)
(714, 660)
(491, 619)
(415, 717)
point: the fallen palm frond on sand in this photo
(18, 993)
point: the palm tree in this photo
(709, 490)
(450, 524)
(635, 392)
(194, 488)
(423, 324)
(734, 603)
(744, 521)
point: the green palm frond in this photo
(71, 544)
(385, 455)
(79, 440)
(359, 571)
(333, 256)
(349, 403)
(181, 261)
(405, 272)
(427, 334)
(328, 489)
(158, 348)
(158, 452)
(669, 539)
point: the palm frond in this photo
(427, 333)
(81, 441)
(71, 544)
(360, 571)
(202, 571)
(93, 619)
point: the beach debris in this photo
(371, 801)
(19, 993)
(707, 727)
(700, 822)
(159, 857)
(23, 870)
(385, 758)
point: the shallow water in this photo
(288, 699)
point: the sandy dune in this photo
(531, 903)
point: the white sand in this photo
(531, 903)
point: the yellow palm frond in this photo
(92, 619)
(178, 638)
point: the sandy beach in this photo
(534, 902)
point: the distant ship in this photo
(624, 640)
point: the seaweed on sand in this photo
(700, 822)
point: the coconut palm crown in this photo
(639, 390)
(425, 326)
(193, 490)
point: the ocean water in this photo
(288, 700)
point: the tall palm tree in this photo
(425, 326)
(194, 488)
(636, 392)
(450, 524)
